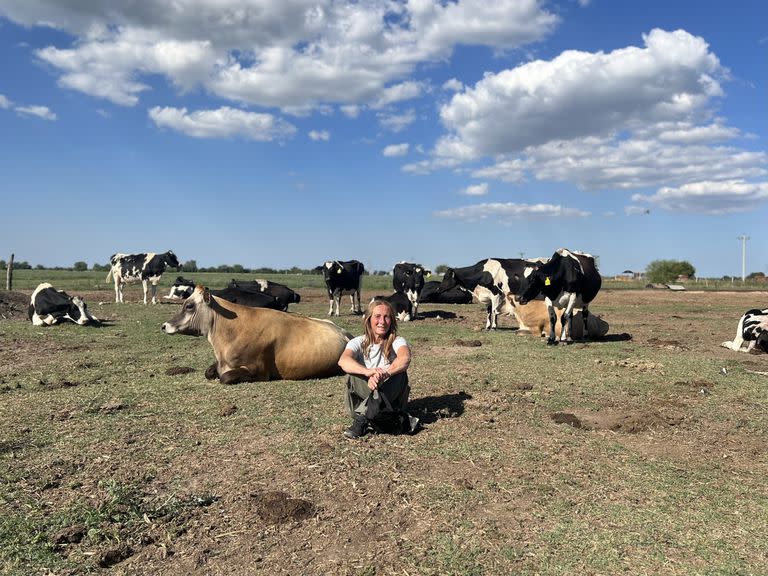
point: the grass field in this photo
(642, 453)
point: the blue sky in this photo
(287, 132)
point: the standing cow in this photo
(408, 279)
(256, 344)
(568, 280)
(144, 267)
(49, 306)
(343, 277)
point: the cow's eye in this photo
(189, 306)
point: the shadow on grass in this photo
(432, 408)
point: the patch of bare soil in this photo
(13, 305)
(279, 508)
(615, 421)
(176, 370)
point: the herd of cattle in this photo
(540, 294)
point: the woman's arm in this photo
(401, 362)
(350, 365)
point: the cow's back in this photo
(592, 279)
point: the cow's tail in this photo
(109, 275)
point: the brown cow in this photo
(534, 318)
(256, 344)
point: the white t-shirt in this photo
(375, 357)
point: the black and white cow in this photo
(282, 293)
(250, 298)
(431, 293)
(489, 281)
(408, 279)
(343, 277)
(568, 280)
(402, 305)
(147, 268)
(752, 331)
(50, 306)
(181, 289)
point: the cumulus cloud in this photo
(709, 197)
(222, 123)
(396, 150)
(42, 112)
(4, 102)
(453, 85)
(507, 212)
(580, 94)
(275, 53)
(397, 122)
(317, 135)
(476, 189)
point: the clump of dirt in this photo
(625, 422)
(176, 370)
(111, 406)
(279, 508)
(467, 343)
(13, 305)
(640, 365)
(69, 535)
(228, 410)
(673, 345)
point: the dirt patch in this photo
(279, 508)
(13, 305)
(624, 422)
(176, 370)
(227, 410)
(467, 343)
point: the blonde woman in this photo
(377, 385)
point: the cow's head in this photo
(171, 260)
(196, 315)
(531, 285)
(449, 281)
(78, 312)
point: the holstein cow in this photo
(568, 280)
(250, 298)
(752, 330)
(49, 306)
(402, 305)
(147, 268)
(535, 316)
(490, 281)
(181, 289)
(341, 278)
(257, 344)
(409, 279)
(282, 293)
(431, 293)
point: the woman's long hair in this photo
(368, 340)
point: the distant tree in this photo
(756, 276)
(22, 265)
(189, 266)
(3, 264)
(662, 271)
(100, 267)
(80, 266)
(39, 267)
(441, 268)
(238, 269)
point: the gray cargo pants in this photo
(396, 389)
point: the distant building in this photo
(629, 276)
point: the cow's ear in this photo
(206, 296)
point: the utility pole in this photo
(743, 239)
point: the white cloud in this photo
(37, 111)
(276, 53)
(398, 93)
(396, 150)
(709, 197)
(397, 122)
(323, 135)
(581, 94)
(476, 189)
(4, 102)
(350, 111)
(453, 85)
(508, 212)
(222, 123)
(635, 210)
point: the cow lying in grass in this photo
(256, 344)
(533, 318)
(752, 330)
(49, 306)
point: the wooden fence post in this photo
(9, 275)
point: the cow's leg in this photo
(738, 341)
(144, 285)
(153, 289)
(237, 375)
(566, 320)
(330, 303)
(212, 372)
(585, 316)
(551, 340)
(488, 315)
(336, 302)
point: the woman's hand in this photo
(377, 376)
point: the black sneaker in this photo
(358, 429)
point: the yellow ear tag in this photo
(547, 281)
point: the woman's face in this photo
(381, 321)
